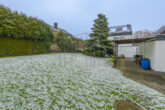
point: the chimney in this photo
(56, 25)
(129, 27)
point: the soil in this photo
(126, 105)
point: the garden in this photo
(69, 81)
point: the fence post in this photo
(32, 51)
(7, 52)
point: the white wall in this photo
(128, 50)
(160, 56)
(155, 52)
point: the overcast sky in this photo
(76, 16)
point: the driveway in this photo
(148, 78)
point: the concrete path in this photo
(148, 78)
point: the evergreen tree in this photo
(99, 45)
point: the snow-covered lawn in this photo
(69, 81)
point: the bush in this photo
(114, 60)
(99, 53)
(87, 51)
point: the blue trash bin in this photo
(145, 64)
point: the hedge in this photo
(19, 26)
(15, 47)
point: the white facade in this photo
(155, 52)
(128, 50)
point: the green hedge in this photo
(13, 47)
(19, 26)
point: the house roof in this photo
(160, 31)
(138, 40)
(63, 30)
(127, 41)
(163, 32)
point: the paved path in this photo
(148, 78)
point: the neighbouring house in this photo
(74, 42)
(123, 32)
(152, 48)
(55, 28)
(80, 45)
(160, 31)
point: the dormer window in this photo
(119, 29)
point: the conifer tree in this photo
(98, 44)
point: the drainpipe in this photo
(116, 50)
(143, 49)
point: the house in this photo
(152, 48)
(123, 32)
(73, 42)
(55, 28)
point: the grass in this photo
(69, 81)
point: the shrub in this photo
(114, 60)
(87, 51)
(99, 53)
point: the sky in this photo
(77, 16)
